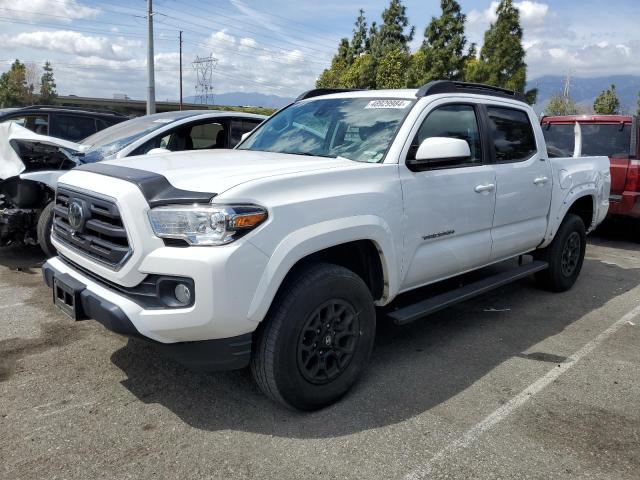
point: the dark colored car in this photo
(614, 136)
(67, 123)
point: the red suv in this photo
(615, 136)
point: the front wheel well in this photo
(361, 257)
(583, 208)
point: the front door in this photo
(449, 209)
(523, 179)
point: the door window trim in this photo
(483, 133)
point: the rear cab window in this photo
(598, 139)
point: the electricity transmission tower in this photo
(204, 78)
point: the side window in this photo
(208, 135)
(74, 127)
(512, 134)
(36, 123)
(454, 121)
(239, 128)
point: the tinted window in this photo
(36, 123)
(512, 134)
(239, 128)
(559, 139)
(73, 127)
(607, 140)
(454, 121)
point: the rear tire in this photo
(565, 255)
(317, 338)
(43, 230)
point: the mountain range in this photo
(583, 90)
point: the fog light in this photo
(182, 293)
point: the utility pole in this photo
(180, 69)
(151, 89)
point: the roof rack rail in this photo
(77, 109)
(449, 86)
(316, 92)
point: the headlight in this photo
(205, 224)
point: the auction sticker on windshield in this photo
(388, 104)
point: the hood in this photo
(13, 136)
(218, 170)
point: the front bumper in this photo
(211, 355)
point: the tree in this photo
(47, 85)
(561, 105)
(330, 77)
(392, 35)
(13, 86)
(501, 62)
(443, 45)
(607, 102)
(391, 71)
(360, 39)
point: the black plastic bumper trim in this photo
(205, 355)
(155, 187)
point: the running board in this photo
(408, 314)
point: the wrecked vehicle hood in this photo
(15, 138)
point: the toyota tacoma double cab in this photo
(278, 254)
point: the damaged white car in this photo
(30, 164)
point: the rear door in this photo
(448, 208)
(523, 179)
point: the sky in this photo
(98, 48)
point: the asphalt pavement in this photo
(519, 383)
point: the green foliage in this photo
(561, 105)
(13, 86)
(443, 46)
(47, 85)
(607, 102)
(501, 61)
(360, 39)
(356, 63)
(392, 68)
(392, 35)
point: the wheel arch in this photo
(355, 243)
(583, 204)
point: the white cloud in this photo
(64, 41)
(60, 10)
(532, 13)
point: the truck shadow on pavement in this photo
(413, 369)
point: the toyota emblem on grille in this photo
(76, 215)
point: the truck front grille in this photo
(91, 225)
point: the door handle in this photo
(484, 188)
(540, 180)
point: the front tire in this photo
(43, 230)
(565, 256)
(317, 338)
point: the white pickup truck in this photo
(276, 254)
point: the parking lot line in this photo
(424, 471)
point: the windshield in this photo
(609, 140)
(359, 129)
(113, 139)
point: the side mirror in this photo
(245, 135)
(158, 150)
(439, 152)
